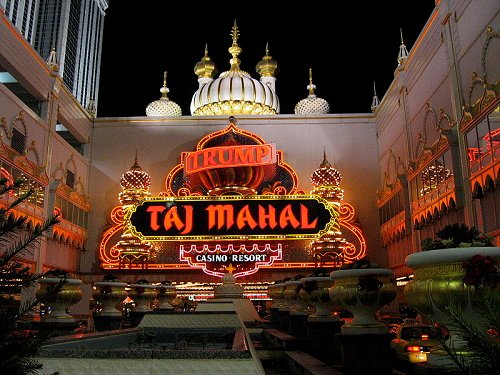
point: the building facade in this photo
(426, 157)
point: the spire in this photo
(52, 60)
(164, 90)
(136, 166)
(267, 66)
(375, 101)
(403, 52)
(311, 85)
(325, 163)
(205, 68)
(235, 50)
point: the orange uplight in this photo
(412, 348)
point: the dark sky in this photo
(348, 44)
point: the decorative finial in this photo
(164, 90)
(403, 52)
(235, 50)
(267, 66)
(136, 166)
(375, 101)
(91, 107)
(52, 60)
(232, 120)
(311, 85)
(325, 163)
(205, 68)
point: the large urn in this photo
(275, 292)
(165, 294)
(60, 298)
(363, 292)
(315, 293)
(143, 295)
(291, 294)
(110, 294)
(439, 282)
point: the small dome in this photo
(205, 68)
(135, 178)
(267, 66)
(312, 104)
(235, 92)
(163, 106)
(326, 175)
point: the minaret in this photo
(375, 101)
(403, 52)
(135, 184)
(267, 68)
(326, 180)
(205, 69)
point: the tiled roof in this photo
(190, 321)
(222, 307)
(81, 366)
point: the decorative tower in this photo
(329, 247)
(403, 52)
(312, 104)
(205, 69)
(267, 68)
(135, 184)
(375, 101)
(163, 106)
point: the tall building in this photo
(74, 29)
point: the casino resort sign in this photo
(230, 218)
(230, 205)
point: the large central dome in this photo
(235, 92)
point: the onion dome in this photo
(163, 106)
(205, 68)
(234, 91)
(312, 104)
(135, 178)
(267, 66)
(326, 175)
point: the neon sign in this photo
(231, 217)
(238, 260)
(229, 156)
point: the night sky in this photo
(348, 45)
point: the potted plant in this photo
(445, 272)
(109, 292)
(68, 293)
(362, 288)
(315, 293)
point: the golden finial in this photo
(311, 85)
(267, 66)
(325, 163)
(205, 68)
(164, 90)
(235, 50)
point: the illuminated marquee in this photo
(239, 260)
(231, 217)
(229, 156)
